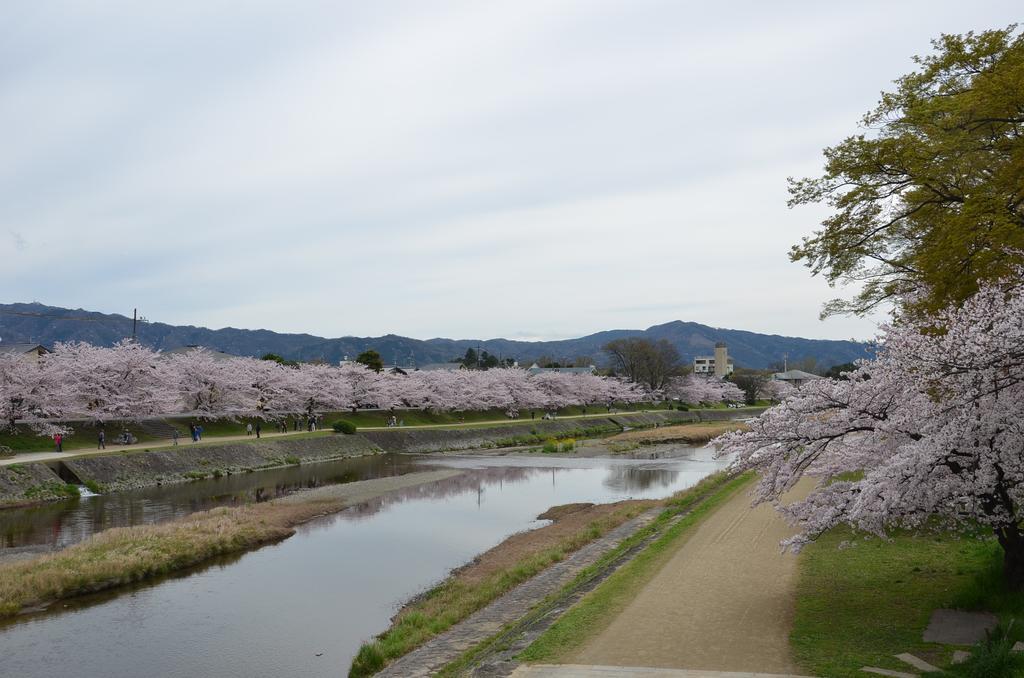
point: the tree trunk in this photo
(1012, 541)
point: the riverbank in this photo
(30, 483)
(122, 556)
(492, 574)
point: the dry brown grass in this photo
(124, 555)
(694, 434)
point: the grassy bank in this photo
(470, 589)
(124, 555)
(696, 433)
(592, 614)
(858, 606)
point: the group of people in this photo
(394, 421)
(249, 430)
(195, 431)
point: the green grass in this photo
(858, 606)
(596, 610)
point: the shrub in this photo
(217, 473)
(368, 661)
(292, 459)
(568, 445)
(94, 486)
(342, 426)
(195, 475)
(683, 408)
(550, 446)
(993, 658)
(6, 452)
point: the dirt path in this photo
(724, 601)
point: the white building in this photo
(718, 365)
(795, 377)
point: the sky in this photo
(523, 169)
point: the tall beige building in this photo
(717, 365)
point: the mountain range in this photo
(46, 325)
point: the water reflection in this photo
(303, 606)
(60, 524)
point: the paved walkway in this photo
(112, 448)
(723, 602)
(584, 671)
(27, 457)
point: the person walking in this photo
(58, 440)
(248, 429)
(174, 437)
(199, 432)
(101, 440)
(258, 429)
(192, 431)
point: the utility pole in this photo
(135, 322)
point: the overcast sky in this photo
(463, 169)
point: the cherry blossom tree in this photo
(930, 432)
(776, 390)
(125, 382)
(270, 390)
(208, 386)
(129, 381)
(27, 392)
(697, 389)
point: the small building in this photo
(719, 365)
(441, 367)
(537, 369)
(28, 351)
(795, 377)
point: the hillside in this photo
(49, 324)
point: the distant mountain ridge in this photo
(49, 324)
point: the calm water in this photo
(303, 606)
(59, 524)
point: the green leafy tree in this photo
(278, 359)
(930, 200)
(371, 359)
(750, 382)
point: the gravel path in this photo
(724, 601)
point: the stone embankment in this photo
(22, 484)
(187, 462)
(532, 432)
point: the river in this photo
(304, 605)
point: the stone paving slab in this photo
(888, 672)
(916, 662)
(587, 671)
(484, 623)
(956, 627)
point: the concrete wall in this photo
(144, 469)
(425, 441)
(28, 484)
